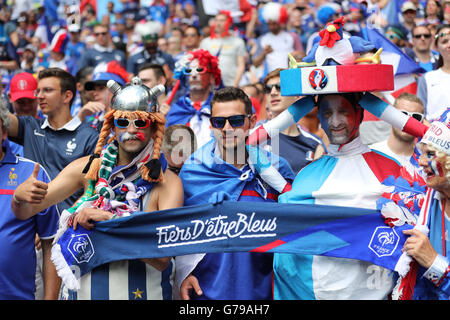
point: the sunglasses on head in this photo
(123, 123)
(235, 121)
(416, 115)
(268, 87)
(425, 35)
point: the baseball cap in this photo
(408, 6)
(105, 72)
(23, 85)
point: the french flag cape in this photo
(182, 111)
(230, 226)
(405, 68)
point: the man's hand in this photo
(188, 284)
(87, 216)
(419, 247)
(89, 109)
(31, 190)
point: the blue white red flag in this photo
(230, 227)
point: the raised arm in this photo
(33, 196)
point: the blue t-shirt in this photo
(18, 257)
(297, 150)
(55, 149)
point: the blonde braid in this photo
(160, 121)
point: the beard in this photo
(402, 136)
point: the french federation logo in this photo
(318, 79)
(384, 241)
(81, 248)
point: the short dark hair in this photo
(231, 94)
(66, 80)
(82, 74)
(157, 68)
(192, 27)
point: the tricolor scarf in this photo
(123, 198)
(118, 190)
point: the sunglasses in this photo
(425, 35)
(100, 34)
(416, 115)
(235, 121)
(442, 34)
(268, 87)
(393, 36)
(199, 70)
(123, 123)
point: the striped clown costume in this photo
(351, 175)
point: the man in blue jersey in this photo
(58, 139)
(221, 170)
(18, 257)
(102, 51)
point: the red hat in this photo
(23, 85)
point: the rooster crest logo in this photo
(384, 241)
(81, 248)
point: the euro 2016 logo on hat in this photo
(318, 79)
(22, 84)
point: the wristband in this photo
(15, 199)
(438, 270)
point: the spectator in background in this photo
(83, 96)
(230, 49)
(446, 12)
(432, 87)
(102, 50)
(93, 111)
(193, 108)
(150, 52)
(174, 47)
(191, 39)
(178, 144)
(151, 75)
(75, 47)
(22, 96)
(400, 145)
(397, 34)
(277, 43)
(29, 61)
(409, 14)
(421, 51)
(433, 12)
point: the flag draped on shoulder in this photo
(230, 227)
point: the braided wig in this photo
(151, 171)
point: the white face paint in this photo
(338, 119)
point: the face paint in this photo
(124, 136)
(338, 119)
(436, 167)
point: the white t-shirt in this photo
(229, 49)
(282, 44)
